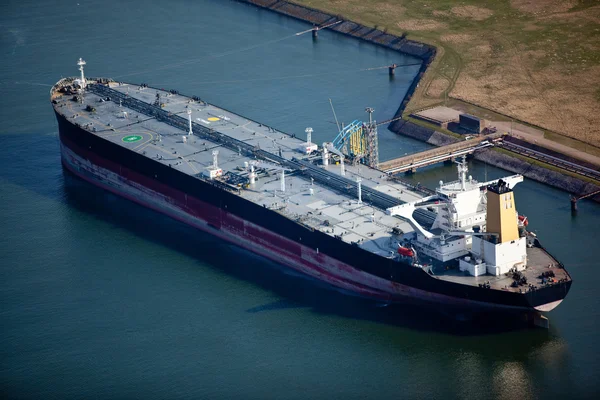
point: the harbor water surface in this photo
(100, 298)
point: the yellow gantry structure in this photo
(359, 141)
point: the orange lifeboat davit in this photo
(406, 252)
(523, 220)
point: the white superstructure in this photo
(461, 214)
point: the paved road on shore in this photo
(536, 136)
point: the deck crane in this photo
(251, 165)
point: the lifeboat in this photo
(523, 220)
(405, 251)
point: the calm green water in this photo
(100, 298)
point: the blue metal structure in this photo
(354, 136)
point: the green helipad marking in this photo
(132, 138)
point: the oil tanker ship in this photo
(321, 210)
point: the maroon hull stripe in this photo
(207, 218)
(190, 210)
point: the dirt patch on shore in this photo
(440, 13)
(389, 9)
(540, 7)
(437, 87)
(590, 14)
(457, 38)
(472, 12)
(421, 25)
(554, 99)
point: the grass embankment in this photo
(535, 61)
(438, 128)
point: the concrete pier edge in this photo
(426, 53)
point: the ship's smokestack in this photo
(501, 213)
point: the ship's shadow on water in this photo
(296, 290)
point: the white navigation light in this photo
(308, 146)
(309, 132)
(214, 171)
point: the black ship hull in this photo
(215, 209)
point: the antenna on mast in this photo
(81, 63)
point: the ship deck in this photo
(329, 204)
(538, 261)
(330, 210)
